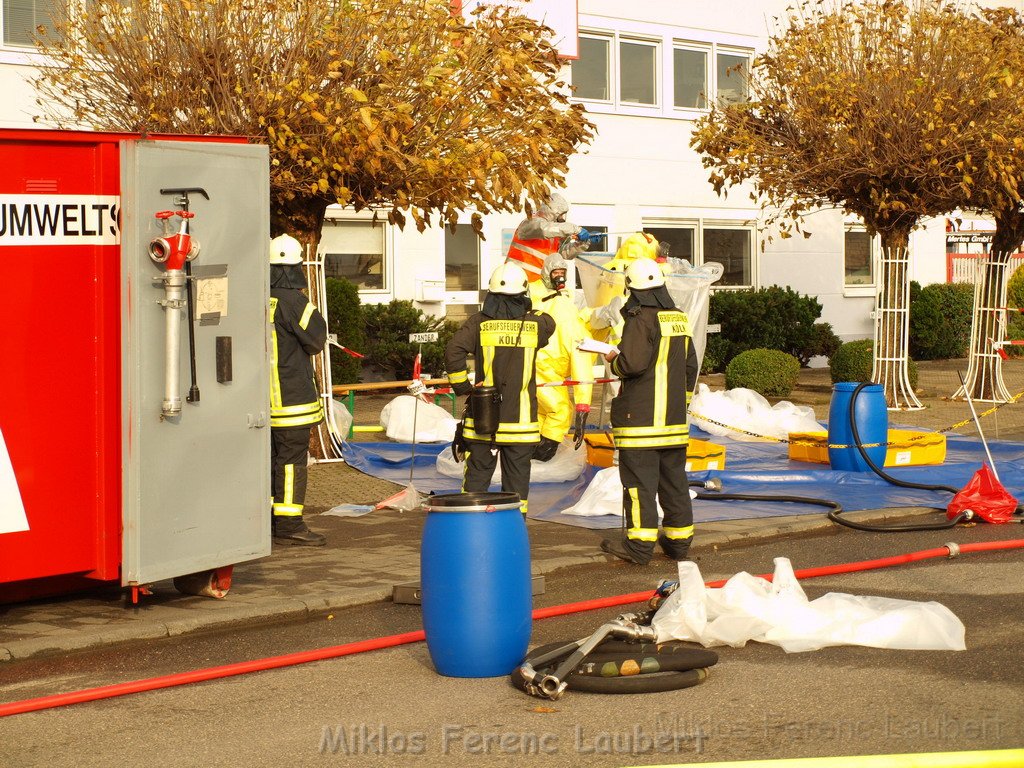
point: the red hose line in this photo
(391, 641)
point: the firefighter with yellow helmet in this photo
(504, 337)
(298, 331)
(656, 364)
(560, 360)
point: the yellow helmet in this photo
(285, 249)
(638, 246)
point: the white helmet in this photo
(509, 279)
(285, 249)
(643, 274)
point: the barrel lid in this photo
(472, 502)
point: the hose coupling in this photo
(953, 547)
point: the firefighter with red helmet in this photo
(298, 331)
(657, 366)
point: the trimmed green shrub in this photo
(345, 318)
(767, 371)
(768, 318)
(387, 339)
(823, 343)
(940, 321)
(1015, 320)
(715, 350)
(853, 362)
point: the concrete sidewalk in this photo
(367, 556)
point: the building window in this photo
(354, 251)
(591, 72)
(677, 240)
(858, 258)
(638, 72)
(732, 249)
(461, 259)
(21, 17)
(733, 70)
(690, 78)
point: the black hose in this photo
(670, 669)
(834, 515)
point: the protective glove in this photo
(545, 449)
(579, 427)
(590, 238)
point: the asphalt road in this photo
(390, 708)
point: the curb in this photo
(303, 606)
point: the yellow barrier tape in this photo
(998, 758)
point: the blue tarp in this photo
(752, 468)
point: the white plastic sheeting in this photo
(746, 409)
(779, 613)
(603, 496)
(566, 464)
(433, 423)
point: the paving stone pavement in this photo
(367, 556)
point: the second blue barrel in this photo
(872, 421)
(476, 584)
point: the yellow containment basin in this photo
(907, 448)
(700, 454)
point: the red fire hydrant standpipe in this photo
(173, 251)
(275, 662)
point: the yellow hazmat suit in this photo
(560, 360)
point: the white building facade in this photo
(644, 71)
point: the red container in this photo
(61, 353)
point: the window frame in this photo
(860, 289)
(666, 41)
(471, 297)
(728, 50)
(387, 250)
(752, 250)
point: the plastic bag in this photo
(745, 409)
(603, 496)
(567, 464)
(778, 612)
(342, 418)
(986, 497)
(433, 423)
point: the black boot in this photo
(295, 531)
(674, 549)
(624, 549)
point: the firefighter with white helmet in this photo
(544, 233)
(504, 338)
(657, 367)
(560, 360)
(298, 331)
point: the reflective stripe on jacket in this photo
(657, 364)
(298, 330)
(505, 352)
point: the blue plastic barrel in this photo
(872, 421)
(476, 585)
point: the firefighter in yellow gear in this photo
(560, 360)
(657, 367)
(504, 338)
(298, 331)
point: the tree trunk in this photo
(892, 325)
(984, 379)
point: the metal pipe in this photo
(174, 292)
